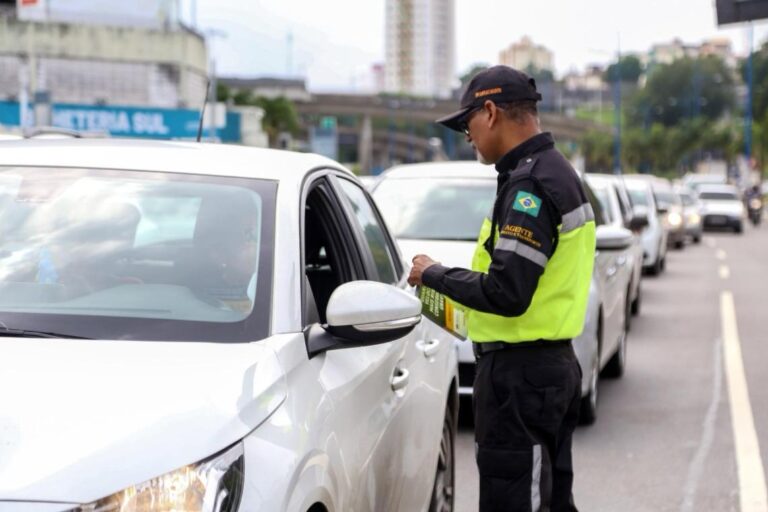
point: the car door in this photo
(425, 359)
(365, 386)
(607, 270)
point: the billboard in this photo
(138, 122)
(737, 11)
(154, 14)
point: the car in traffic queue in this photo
(654, 236)
(617, 211)
(438, 208)
(669, 207)
(694, 227)
(722, 207)
(211, 328)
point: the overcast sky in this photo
(336, 41)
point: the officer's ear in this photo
(493, 112)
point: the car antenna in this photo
(202, 111)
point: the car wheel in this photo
(628, 310)
(442, 490)
(656, 268)
(739, 228)
(697, 239)
(617, 364)
(663, 264)
(635, 309)
(588, 412)
(679, 244)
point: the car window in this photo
(597, 208)
(640, 197)
(383, 254)
(719, 196)
(603, 196)
(435, 209)
(138, 254)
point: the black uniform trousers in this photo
(526, 406)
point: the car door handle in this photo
(429, 347)
(622, 260)
(400, 379)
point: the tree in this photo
(629, 69)
(597, 147)
(685, 89)
(540, 75)
(279, 116)
(222, 92)
(760, 80)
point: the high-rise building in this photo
(525, 55)
(420, 46)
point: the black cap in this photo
(500, 84)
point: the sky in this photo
(333, 43)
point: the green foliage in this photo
(279, 113)
(685, 89)
(760, 81)
(597, 148)
(629, 69)
(222, 92)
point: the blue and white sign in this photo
(152, 123)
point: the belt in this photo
(491, 346)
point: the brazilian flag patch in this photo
(527, 203)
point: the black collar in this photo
(535, 144)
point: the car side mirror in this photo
(638, 222)
(613, 238)
(362, 313)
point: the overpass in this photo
(379, 147)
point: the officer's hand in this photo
(420, 263)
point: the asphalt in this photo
(664, 439)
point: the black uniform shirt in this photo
(527, 212)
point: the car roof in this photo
(460, 169)
(164, 156)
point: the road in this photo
(665, 437)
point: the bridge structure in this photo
(381, 130)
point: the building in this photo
(666, 53)
(420, 47)
(525, 55)
(162, 65)
(266, 87)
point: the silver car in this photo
(438, 208)
(655, 234)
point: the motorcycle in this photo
(755, 210)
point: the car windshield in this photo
(687, 200)
(435, 209)
(135, 255)
(639, 196)
(719, 196)
(605, 202)
(667, 198)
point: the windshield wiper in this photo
(23, 333)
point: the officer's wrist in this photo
(432, 276)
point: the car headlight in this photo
(213, 485)
(694, 218)
(675, 219)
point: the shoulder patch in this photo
(527, 202)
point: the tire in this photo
(635, 308)
(628, 310)
(739, 228)
(656, 268)
(663, 264)
(588, 408)
(445, 473)
(679, 244)
(697, 239)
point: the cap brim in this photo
(453, 121)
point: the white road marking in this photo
(696, 468)
(724, 272)
(752, 491)
(720, 254)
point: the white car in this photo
(210, 328)
(438, 208)
(655, 235)
(722, 207)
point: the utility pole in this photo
(617, 112)
(748, 100)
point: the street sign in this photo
(738, 11)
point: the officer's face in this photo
(476, 129)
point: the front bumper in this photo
(719, 220)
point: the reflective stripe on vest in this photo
(559, 303)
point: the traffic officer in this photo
(526, 297)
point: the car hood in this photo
(723, 207)
(451, 253)
(81, 419)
